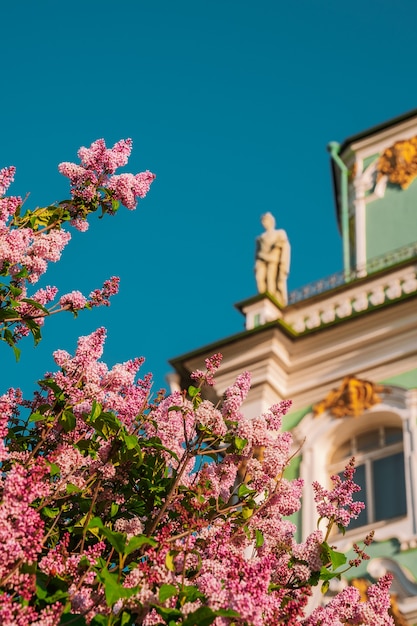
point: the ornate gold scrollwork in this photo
(399, 163)
(351, 399)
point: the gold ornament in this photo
(351, 399)
(399, 163)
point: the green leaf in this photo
(325, 586)
(131, 442)
(240, 443)
(15, 291)
(50, 512)
(114, 509)
(167, 591)
(95, 410)
(113, 589)
(9, 338)
(54, 469)
(7, 313)
(168, 614)
(67, 420)
(34, 329)
(77, 620)
(36, 305)
(51, 384)
(247, 512)
(193, 391)
(126, 619)
(95, 522)
(336, 558)
(117, 540)
(259, 539)
(73, 488)
(190, 593)
(169, 561)
(244, 490)
(16, 352)
(36, 417)
(136, 542)
(204, 616)
(99, 620)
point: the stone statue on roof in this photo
(272, 262)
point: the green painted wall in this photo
(291, 420)
(388, 549)
(408, 380)
(391, 221)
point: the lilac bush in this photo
(119, 508)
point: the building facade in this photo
(344, 350)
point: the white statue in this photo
(272, 260)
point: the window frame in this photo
(367, 458)
(317, 439)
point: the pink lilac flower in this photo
(100, 297)
(45, 295)
(21, 527)
(212, 365)
(132, 527)
(73, 301)
(347, 608)
(8, 207)
(211, 418)
(6, 178)
(80, 224)
(128, 187)
(235, 395)
(310, 550)
(8, 408)
(337, 505)
(23, 248)
(15, 614)
(98, 157)
(275, 413)
(172, 425)
(98, 163)
(83, 182)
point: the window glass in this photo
(380, 473)
(393, 435)
(389, 487)
(368, 441)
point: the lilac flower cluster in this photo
(116, 508)
(346, 608)
(96, 172)
(29, 242)
(337, 505)
(219, 529)
(207, 377)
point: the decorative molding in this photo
(387, 289)
(399, 163)
(370, 184)
(351, 399)
(385, 261)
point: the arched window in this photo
(379, 461)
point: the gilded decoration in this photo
(399, 163)
(351, 399)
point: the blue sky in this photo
(231, 103)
